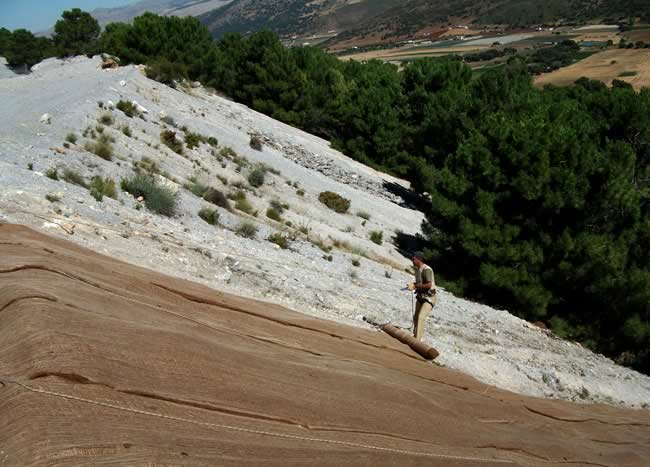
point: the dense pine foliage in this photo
(539, 197)
(75, 33)
(22, 49)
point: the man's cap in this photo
(418, 254)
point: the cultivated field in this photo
(450, 46)
(410, 52)
(638, 35)
(631, 65)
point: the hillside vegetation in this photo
(414, 14)
(529, 12)
(406, 18)
(395, 18)
(539, 197)
(248, 15)
(292, 16)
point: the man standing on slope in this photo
(425, 291)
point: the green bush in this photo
(73, 177)
(377, 236)
(71, 138)
(334, 201)
(128, 108)
(300, 192)
(100, 187)
(217, 198)
(228, 152)
(247, 229)
(274, 214)
(279, 206)
(244, 205)
(89, 132)
(356, 263)
(212, 141)
(241, 202)
(102, 147)
(168, 120)
(256, 143)
(165, 71)
(126, 130)
(237, 195)
(106, 119)
(256, 177)
(193, 140)
(281, 240)
(52, 198)
(147, 165)
(52, 173)
(197, 188)
(363, 215)
(168, 138)
(157, 198)
(211, 216)
(241, 161)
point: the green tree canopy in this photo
(22, 49)
(76, 33)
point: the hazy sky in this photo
(39, 15)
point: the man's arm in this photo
(424, 286)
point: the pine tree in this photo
(76, 33)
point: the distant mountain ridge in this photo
(162, 7)
(293, 16)
(393, 17)
(360, 18)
